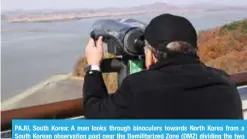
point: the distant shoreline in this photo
(45, 15)
(69, 17)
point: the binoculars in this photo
(125, 39)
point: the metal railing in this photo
(71, 108)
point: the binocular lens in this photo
(134, 42)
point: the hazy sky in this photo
(70, 4)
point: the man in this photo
(176, 85)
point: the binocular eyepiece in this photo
(123, 37)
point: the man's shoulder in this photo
(222, 75)
(137, 75)
(219, 71)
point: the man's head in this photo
(168, 35)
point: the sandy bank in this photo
(59, 18)
(78, 16)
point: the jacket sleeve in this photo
(97, 102)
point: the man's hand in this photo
(94, 54)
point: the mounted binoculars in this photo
(125, 39)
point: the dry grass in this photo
(232, 62)
(225, 47)
(109, 78)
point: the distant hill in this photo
(225, 47)
(76, 14)
(157, 5)
(71, 14)
(148, 7)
